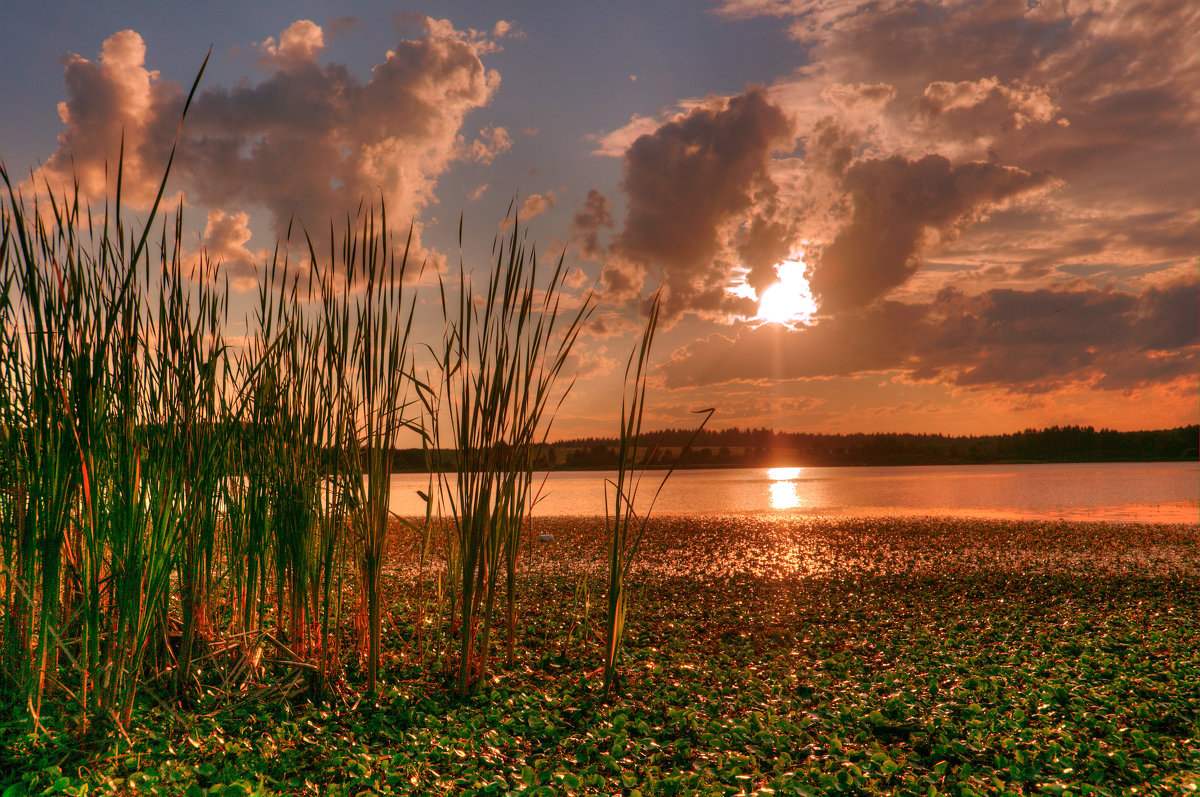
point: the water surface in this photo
(1111, 492)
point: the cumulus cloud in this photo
(1017, 341)
(537, 204)
(1014, 106)
(308, 142)
(700, 201)
(917, 122)
(492, 141)
(898, 205)
(224, 245)
(593, 216)
(311, 140)
(113, 106)
(483, 42)
(300, 44)
(1104, 97)
(615, 143)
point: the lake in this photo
(1158, 492)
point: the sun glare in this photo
(784, 494)
(789, 301)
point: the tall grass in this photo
(201, 511)
(625, 524)
(380, 397)
(93, 533)
(502, 353)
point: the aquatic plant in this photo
(627, 523)
(91, 532)
(502, 353)
(1072, 668)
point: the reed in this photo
(90, 534)
(626, 526)
(380, 396)
(500, 358)
(179, 506)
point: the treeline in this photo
(737, 447)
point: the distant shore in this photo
(766, 448)
(405, 465)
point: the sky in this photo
(888, 216)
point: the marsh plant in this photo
(209, 512)
(504, 348)
(625, 520)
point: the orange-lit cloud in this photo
(306, 143)
(492, 141)
(1043, 155)
(224, 244)
(537, 204)
(300, 44)
(1101, 97)
(112, 110)
(700, 201)
(898, 205)
(1014, 341)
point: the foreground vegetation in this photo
(166, 484)
(763, 656)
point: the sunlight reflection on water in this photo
(784, 495)
(1109, 492)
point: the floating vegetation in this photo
(745, 673)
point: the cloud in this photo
(1021, 342)
(614, 144)
(308, 142)
(988, 105)
(1104, 97)
(312, 140)
(594, 215)
(483, 42)
(492, 141)
(300, 44)
(224, 244)
(898, 205)
(112, 111)
(505, 29)
(700, 200)
(850, 97)
(930, 128)
(537, 204)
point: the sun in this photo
(788, 301)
